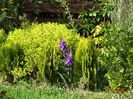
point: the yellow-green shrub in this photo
(2, 36)
(2, 40)
(36, 47)
(86, 61)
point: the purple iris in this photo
(69, 60)
(66, 51)
(62, 45)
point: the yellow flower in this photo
(98, 30)
(4, 9)
(10, 1)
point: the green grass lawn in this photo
(43, 91)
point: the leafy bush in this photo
(100, 13)
(2, 36)
(35, 51)
(86, 62)
(10, 14)
(117, 53)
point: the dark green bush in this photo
(10, 14)
(101, 13)
(2, 36)
(117, 53)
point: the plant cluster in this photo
(102, 56)
(35, 51)
(101, 13)
(2, 36)
(10, 14)
(117, 54)
(41, 52)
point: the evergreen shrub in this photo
(35, 51)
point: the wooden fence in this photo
(53, 12)
(52, 8)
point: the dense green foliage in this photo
(100, 13)
(44, 91)
(101, 56)
(35, 51)
(86, 59)
(10, 14)
(2, 36)
(117, 53)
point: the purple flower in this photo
(67, 52)
(62, 45)
(69, 60)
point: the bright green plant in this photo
(11, 56)
(86, 59)
(34, 51)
